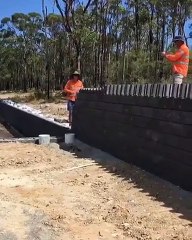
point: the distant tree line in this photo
(108, 41)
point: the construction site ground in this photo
(48, 193)
(4, 132)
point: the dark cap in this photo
(178, 38)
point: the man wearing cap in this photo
(72, 88)
(180, 59)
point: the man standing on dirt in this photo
(180, 60)
(72, 88)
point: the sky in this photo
(7, 8)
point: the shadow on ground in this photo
(172, 197)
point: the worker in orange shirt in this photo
(72, 88)
(180, 59)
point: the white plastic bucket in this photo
(69, 138)
(44, 139)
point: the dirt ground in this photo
(4, 133)
(47, 193)
(56, 110)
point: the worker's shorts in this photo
(70, 105)
(178, 78)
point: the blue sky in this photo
(7, 8)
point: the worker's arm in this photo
(174, 57)
(82, 86)
(67, 89)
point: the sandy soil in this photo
(45, 195)
(5, 95)
(57, 110)
(4, 133)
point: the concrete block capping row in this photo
(183, 91)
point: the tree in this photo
(73, 17)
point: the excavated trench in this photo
(18, 123)
(4, 132)
(7, 132)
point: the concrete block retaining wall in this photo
(148, 126)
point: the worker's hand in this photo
(163, 54)
(76, 92)
(73, 94)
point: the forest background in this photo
(108, 41)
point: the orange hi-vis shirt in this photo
(72, 88)
(180, 60)
(190, 62)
